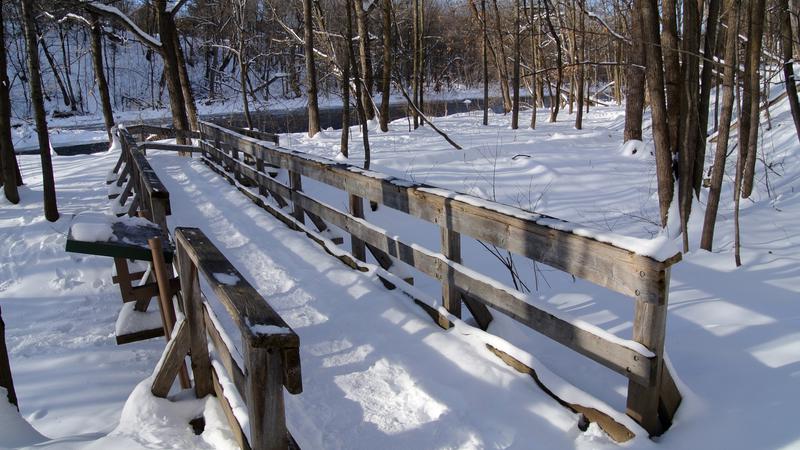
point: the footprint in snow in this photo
(67, 279)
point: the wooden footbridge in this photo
(251, 161)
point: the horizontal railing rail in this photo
(652, 394)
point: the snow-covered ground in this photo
(377, 373)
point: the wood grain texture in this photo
(247, 308)
(601, 263)
(172, 361)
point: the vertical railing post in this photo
(649, 329)
(451, 249)
(265, 398)
(6, 381)
(357, 247)
(296, 184)
(193, 310)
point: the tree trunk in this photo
(706, 82)
(100, 75)
(386, 76)
(166, 28)
(362, 115)
(311, 71)
(345, 138)
(485, 57)
(581, 76)
(534, 58)
(720, 155)
(788, 69)
(35, 83)
(365, 58)
(672, 72)
(8, 160)
(415, 58)
(556, 102)
(502, 64)
(655, 87)
(634, 92)
(755, 36)
(186, 85)
(689, 113)
(515, 76)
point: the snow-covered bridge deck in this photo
(377, 372)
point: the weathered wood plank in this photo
(193, 310)
(614, 356)
(236, 429)
(171, 361)
(649, 327)
(249, 310)
(265, 398)
(599, 262)
(615, 430)
(617, 357)
(451, 249)
(224, 356)
(139, 336)
(165, 295)
(169, 147)
(296, 185)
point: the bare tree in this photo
(515, 76)
(311, 70)
(8, 159)
(635, 79)
(655, 86)
(720, 155)
(580, 47)
(748, 129)
(386, 75)
(100, 74)
(788, 63)
(35, 84)
(365, 57)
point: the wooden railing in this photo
(652, 394)
(148, 195)
(270, 348)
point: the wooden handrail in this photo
(270, 352)
(652, 394)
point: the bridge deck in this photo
(377, 372)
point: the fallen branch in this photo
(425, 119)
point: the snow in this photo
(17, 432)
(377, 373)
(228, 279)
(269, 329)
(130, 320)
(92, 227)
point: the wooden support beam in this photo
(357, 247)
(137, 336)
(171, 362)
(649, 326)
(296, 185)
(165, 299)
(451, 249)
(193, 310)
(236, 428)
(265, 398)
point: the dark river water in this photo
(296, 120)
